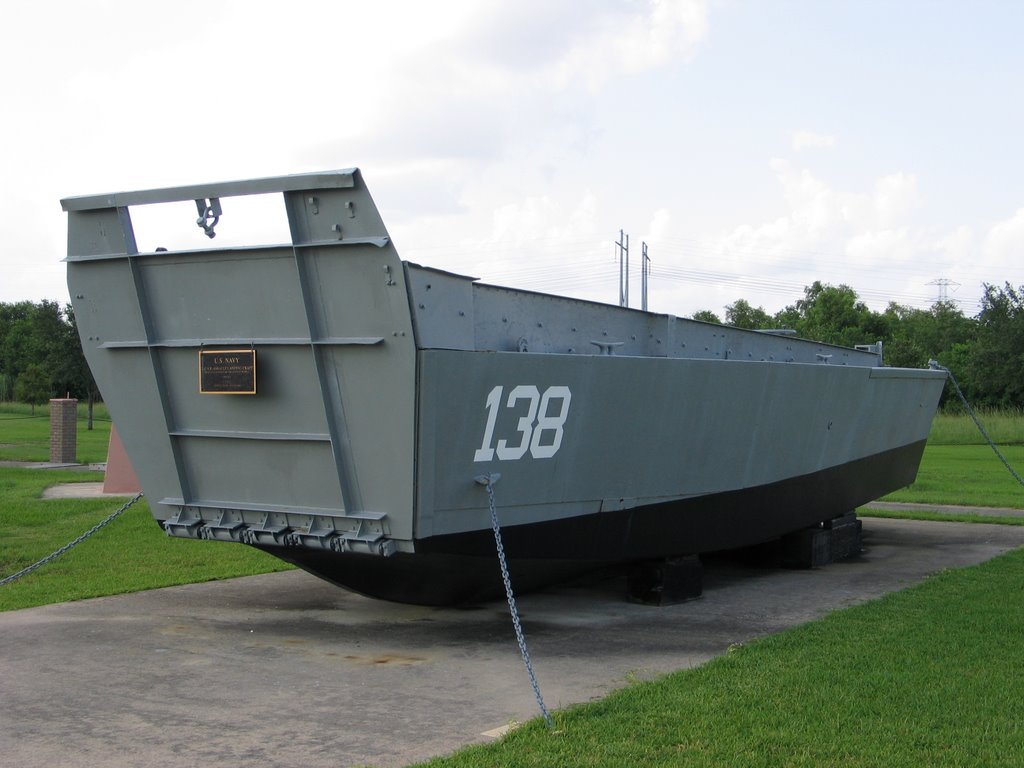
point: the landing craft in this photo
(332, 405)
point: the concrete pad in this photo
(82, 491)
(53, 465)
(286, 670)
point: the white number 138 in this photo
(540, 430)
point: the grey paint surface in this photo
(327, 439)
(643, 430)
(456, 312)
(286, 670)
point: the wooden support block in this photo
(666, 582)
(832, 541)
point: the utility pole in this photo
(645, 273)
(623, 246)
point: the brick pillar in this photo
(64, 431)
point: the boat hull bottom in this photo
(463, 568)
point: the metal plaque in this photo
(227, 371)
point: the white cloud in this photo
(660, 224)
(957, 244)
(455, 110)
(810, 140)
(504, 121)
(866, 239)
(895, 197)
(814, 209)
(548, 242)
(883, 247)
(1002, 251)
(1005, 240)
(556, 44)
(954, 256)
(628, 43)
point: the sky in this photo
(755, 146)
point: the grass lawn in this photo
(25, 436)
(129, 555)
(939, 517)
(966, 474)
(1005, 427)
(933, 675)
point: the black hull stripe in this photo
(462, 567)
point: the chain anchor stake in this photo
(488, 482)
(54, 555)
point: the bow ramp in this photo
(265, 393)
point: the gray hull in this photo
(383, 389)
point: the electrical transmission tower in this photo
(943, 284)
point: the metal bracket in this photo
(209, 215)
(183, 524)
(227, 528)
(364, 532)
(607, 347)
(265, 532)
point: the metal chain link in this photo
(970, 411)
(488, 481)
(54, 555)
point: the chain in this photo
(53, 556)
(489, 481)
(977, 421)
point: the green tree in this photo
(48, 331)
(707, 316)
(941, 333)
(742, 315)
(920, 335)
(835, 315)
(15, 338)
(72, 373)
(995, 374)
(46, 335)
(33, 386)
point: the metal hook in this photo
(209, 215)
